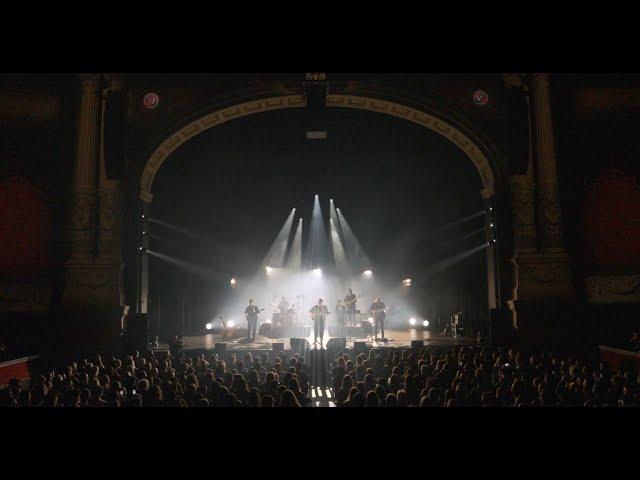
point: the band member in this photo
(251, 312)
(283, 307)
(350, 306)
(377, 310)
(318, 313)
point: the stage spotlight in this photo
(317, 272)
(425, 323)
(231, 324)
(268, 270)
(208, 326)
(233, 282)
(367, 274)
(412, 321)
(406, 282)
(491, 225)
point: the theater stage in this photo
(395, 339)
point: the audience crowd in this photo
(457, 377)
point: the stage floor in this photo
(395, 339)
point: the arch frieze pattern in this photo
(428, 121)
(218, 117)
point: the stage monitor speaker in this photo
(115, 126)
(360, 347)
(277, 346)
(337, 344)
(299, 345)
(417, 344)
(137, 332)
(221, 347)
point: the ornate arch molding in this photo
(444, 127)
(438, 125)
(166, 148)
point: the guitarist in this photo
(349, 302)
(377, 310)
(251, 312)
(318, 313)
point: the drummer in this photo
(283, 307)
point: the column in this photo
(523, 206)
(549, 213)
(84, 202)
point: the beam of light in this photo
(317, 244)
(317, 272)
(294, 262)
(182, 230)
(333, 215)
(337, 248)
(275, 257)
(358, 255)
(455, 223)
(189, 267)
(449, 262)
(445, 228)
(226, 251)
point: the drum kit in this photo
(286, 320)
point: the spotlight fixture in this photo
(406, 282)
(367, 274)
(425, 323)
(208, 326)
(267, 321)
(370, 319)
(317, 272)
(268, 270)
(412, 321)
(491, 225)
(233, 282)
(143, 215)
(231, 324)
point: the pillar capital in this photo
(89, 82)
(540, 80)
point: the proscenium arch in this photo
(218, 117)
(439, 124)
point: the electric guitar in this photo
(259, 310)
(378, 313)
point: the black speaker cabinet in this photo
(360, 347)
(417, 344)
(337, 344)
(137, 332)
(221, 347)
(299, 345)
(277, 346)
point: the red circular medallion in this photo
(480, 97)
(151, 100)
